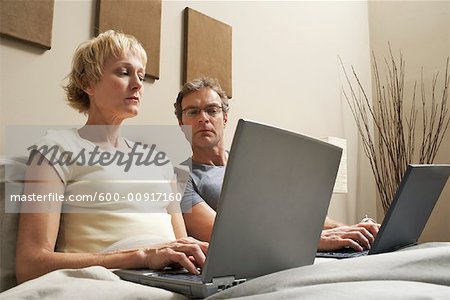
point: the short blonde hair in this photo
(88, 62)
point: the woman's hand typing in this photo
(185, 252)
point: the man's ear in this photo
(225, 119)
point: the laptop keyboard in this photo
(181, 276)
(343, 253)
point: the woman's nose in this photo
(136, 83)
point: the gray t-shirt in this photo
(204, 184)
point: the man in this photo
(203, 105)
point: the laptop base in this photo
(178, 281)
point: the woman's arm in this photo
(37, 234)
(178, 225)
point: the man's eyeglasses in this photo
(193, 112)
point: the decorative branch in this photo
(392, 144)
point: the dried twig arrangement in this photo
(392, 144)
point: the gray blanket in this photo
(421, 272)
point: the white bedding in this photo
(421, 272)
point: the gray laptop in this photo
(408, 214)
(275, 196)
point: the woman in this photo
(105, 84)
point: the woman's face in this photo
(118, 94)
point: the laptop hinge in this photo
(404, 246)
(226, 282)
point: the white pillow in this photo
(12, 174)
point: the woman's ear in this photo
(88, 87)
(89, 90)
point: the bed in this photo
(419, 272)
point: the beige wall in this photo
(421, 30)
(285, 72)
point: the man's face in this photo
(202, 110)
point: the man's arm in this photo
(200, 221)
(330, 223)
(198, 215)
(337, 235)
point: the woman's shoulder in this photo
(61, 134)
(61, 138)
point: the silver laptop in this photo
(274, 199)
(408, 214)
